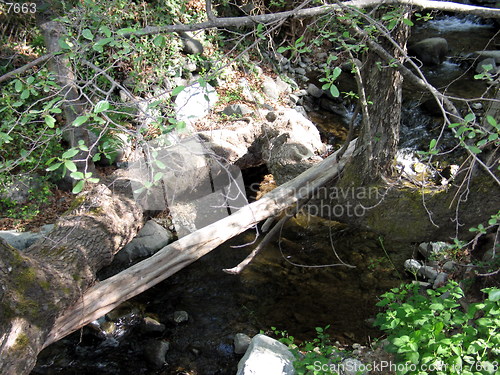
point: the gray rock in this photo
(150, 325)
(294, 99)
(429, 273)
(190, 66)
(180, 317)
(488, 62)
(449, 266)
(271, 116)
(190, 45)
(151, 238)
(412, 265)
(432, 249)
(283, 86)
(440, 280)
(241, 343)
(23, 240)
(430, 51)
(352, 366)
(238, 110)
(314, 90)
(495, 54)
(270, 89)
(300, 71)
(194, 102)
(302, 111)
(266, 356)
(21, 188)
(155, 352)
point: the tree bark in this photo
(37, 285)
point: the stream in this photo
(279, 289)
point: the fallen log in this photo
(108, 294)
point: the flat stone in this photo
(150, 325)
(314, 90)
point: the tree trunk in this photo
(37, 285)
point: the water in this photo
(447, 24)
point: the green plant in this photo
(431, 334)
(312, 357)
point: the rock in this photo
(190, 45)
(155, 352)
(266, 356)
(440, 280)
(429, 273)
(300, 71)
(150, 325)
(352, 366)
(151, 238)
(314, 91)
(241, 343)
(180, 317)
(23, 240)
(21, 188)
(449, 266)
(190, 66)
(238, 110)
(430, 51)
(271, 116)
(293, 99)
(492, 54)
(432, 108)
(194, 102)
(412, 265)
(432, 249)
(477, 106)
(302, 111)
(270, 89)
(486, 65)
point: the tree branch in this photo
(24, 68)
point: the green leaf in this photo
(105, 30)
(30, 80)
(78, 187)
(70, 166)
(392, 24)
(492, 121)
(433, 144)
(494, 295)
(80, 120)
(474, 149)
(158, 176)
(87, 34)
(283, 49)
(126, 30)
(49, 121)
(18, 86)
(101, 106)
(70, 153)
(408, 22)
(160, 164)
(334, 91)
(64, 44)
(470, 117)
(77, 175)
(53, 167)
(178, 90)
(159, 41)
(25, 94)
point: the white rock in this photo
(266, 356)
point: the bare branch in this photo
(24, 68)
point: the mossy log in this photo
(38, 284)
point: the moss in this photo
(77, 202)
(21, 342)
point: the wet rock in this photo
(266, 356)
(494, 54)
(430, 51)
(238, 110)
(150, 325)
(440, 280)
(241, 343)
(429, 273)
(432, 249)
(412, 265)
(23, 240)
(155, 352)
(151, 238)
(180, 317)
(314, 90)
(353, 366)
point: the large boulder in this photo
(430, 51)
(266, 356)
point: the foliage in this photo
(432, 334)
(311, 356)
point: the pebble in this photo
(180, 316)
